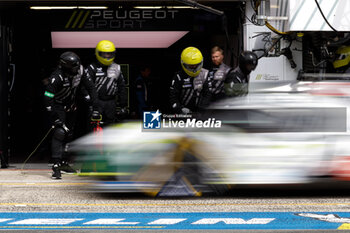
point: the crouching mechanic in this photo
(60, 101)
(236, 82)
(189, 90)
(109, 82)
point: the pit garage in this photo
(294, 40)
(152, 33)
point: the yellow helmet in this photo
(105, 52)
(192, 61)
(342, 57)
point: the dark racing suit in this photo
(141, 94)
(110, 84)
(60, 101)
(189, 92)
(217, 76)
(236, 83)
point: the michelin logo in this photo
(124, 222)
(151, 120)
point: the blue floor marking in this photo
(208, 220)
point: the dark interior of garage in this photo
(28, 59)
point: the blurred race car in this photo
(265, 139)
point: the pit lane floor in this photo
(31, 190)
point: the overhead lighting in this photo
(164, 7)
(66, 7)
(92, 7)
(181, 7)
(52, 7)
(147, 7)
(123, 39)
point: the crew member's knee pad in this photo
(59, 134)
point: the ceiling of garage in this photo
(4, 3)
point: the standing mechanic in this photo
(236, 83)
(60, 101)
(217, 73)
(189, 90)
(109, 82)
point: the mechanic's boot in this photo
(4, 160)
(56, 172)
(65, 168)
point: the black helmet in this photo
(248, 61)
(69, 63)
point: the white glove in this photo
(87, 99)
(185, 110)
